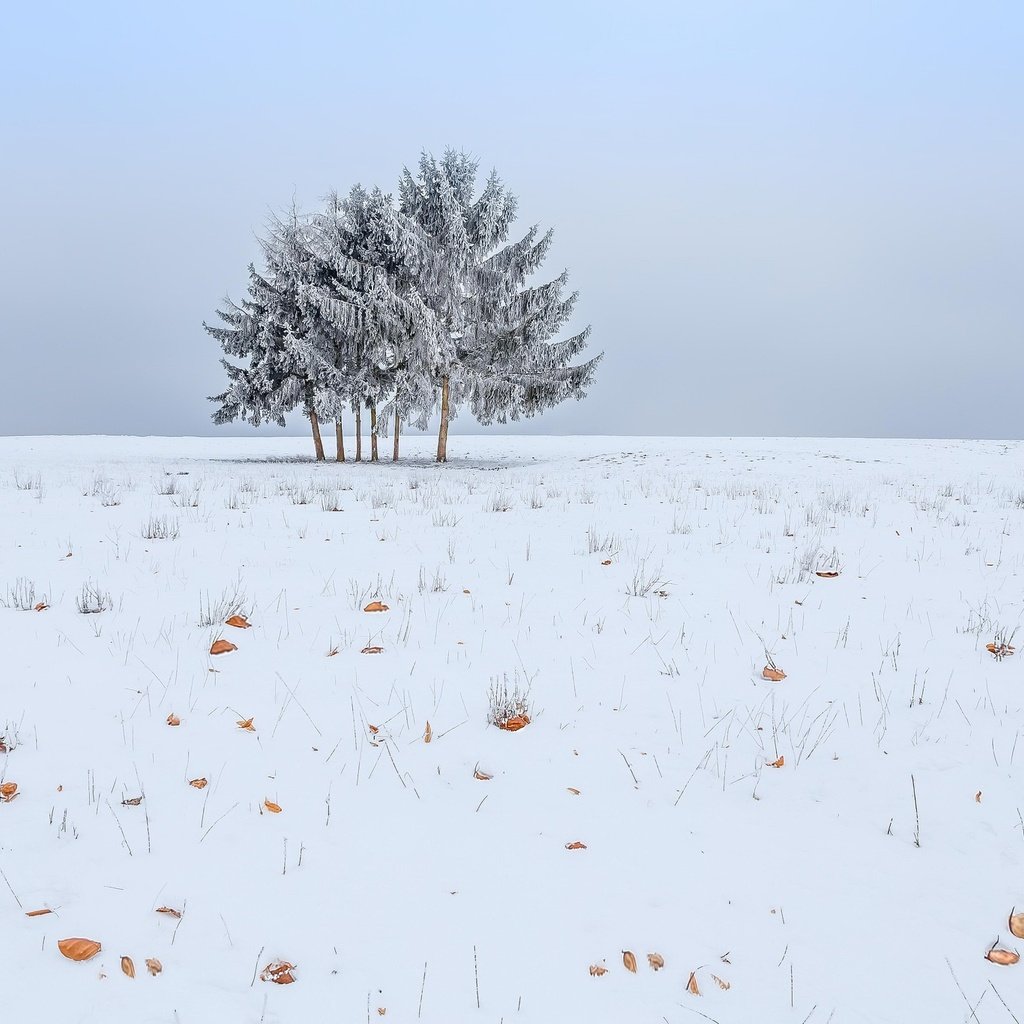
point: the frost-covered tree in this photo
(403, 310)
(486, 337)
(280, 339)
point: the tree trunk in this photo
(373, 432)
(341, 440)
(394, 458)
(359, 434)
(442, 433)
(318, 443)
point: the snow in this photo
(392, 877)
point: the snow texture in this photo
(633, 590)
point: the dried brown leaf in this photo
(596, 970)
(1003, 957)
(198, 783)
(170, 911)
(376, 606)
(79, 949)
(691, 986)
(153, 965)
(656, 961)
(576, 846)
(127, 966)
(773, 674)
(629, 961)
(272, 807)
(238, 621)
(173, 719)
(222, 647)
(1017, 925)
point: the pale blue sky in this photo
(784, 218)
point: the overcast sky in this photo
(783, 218)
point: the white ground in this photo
(800, 886)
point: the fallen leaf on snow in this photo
(428, 734)
(173, 719)
(272, 807)
(279, 972)
(691, 986)
(41, 607)
(372, 649)
(198, 783)
(977, 797)
(573, 790)
(723, 985)
(827, 574)
(8, 791)
(79, 949)
(246, 723)
(132, 801)
(780, 763)
(38, 913)
(222, 647)
(1017, 924)
(170, 911)
(1004, 957)
(153, 965)
(515, 723)
(127, 966)
(238, 621)
(656, 961)
(482, 776)
(596, 970)
(629, 960)
(775, 675)
(376, 606)
(576, 846)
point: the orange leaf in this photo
(38, 913)
(1004, 957)
(372, 649)
(173, 719)
(596, 970)
(198, 783)
(8, 791)
(482, 776)
(79, 949)
(576, 846)
(607, 561)
(272, 807)
(428, 734)
(246, 723)
(169, 911)
(41, 607)
(656, 961)
(827, 574)
(1017, 924)
(376, 606)
(222, 647)
(515, 723)
(374, 729)
(777, 764)
(691, 985)
(127, 966)
(279, 972)
(238, 621)
(629, 961)
(775, 675)
(153, 965)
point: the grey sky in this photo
(784, 218)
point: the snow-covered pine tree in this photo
(487, 338)
(279, 336)
(366, 301)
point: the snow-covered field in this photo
(636, 588)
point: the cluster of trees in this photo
(401, 306)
